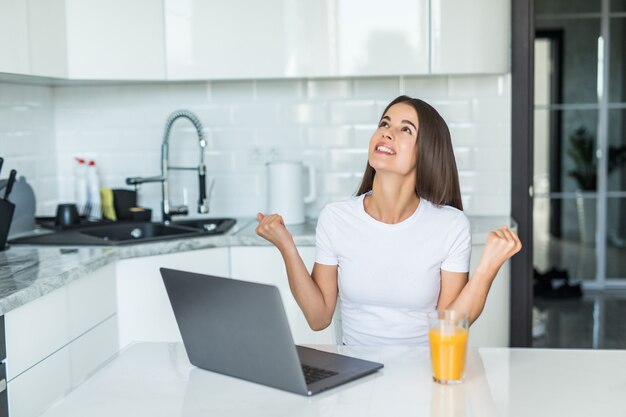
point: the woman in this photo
(401, 248)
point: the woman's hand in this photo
(501, 245)
(272, 228)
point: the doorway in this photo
(579, 171)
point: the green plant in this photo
(583, 153)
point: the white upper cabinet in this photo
(13, 36)
(47, 38)
(115, 39)
(247, 39)
(381, 38)
(97, 40)
(470, 36)
(211, 39)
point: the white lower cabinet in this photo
(54, 342)
(144, 310)
(492, 327)
(265, 265)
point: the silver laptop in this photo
(240, 328)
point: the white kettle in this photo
(285, 190)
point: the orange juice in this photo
(448, 344)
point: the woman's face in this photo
(392, 147)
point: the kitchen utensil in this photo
(23, 197)
(285, 190)
(10, 182)
(123, 200)
(67, 214)
(6, 215)
(140, 214)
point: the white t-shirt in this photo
(389, 274)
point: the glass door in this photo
(579, 206)
(615, 148)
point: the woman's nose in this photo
(386, 135)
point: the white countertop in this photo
(156, 379)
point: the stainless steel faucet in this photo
(167, 209)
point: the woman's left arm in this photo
(457, 293)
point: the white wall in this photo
(327, 122)
(27, 139)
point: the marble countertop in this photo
(157, 379)
(28, 272)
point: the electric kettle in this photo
(285, 190)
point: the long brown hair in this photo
(437, 179)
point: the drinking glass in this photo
(448, 333)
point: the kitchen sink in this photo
(135, 231)
(211, 226)
(123, 233)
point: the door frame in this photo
(522, 100)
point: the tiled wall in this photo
(27, 141)
(326, 122)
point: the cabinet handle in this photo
(3, 385)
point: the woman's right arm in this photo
(316, 294)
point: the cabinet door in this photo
(115, 39)
(211, 39)
(14, 37)
(47, 38)
(470, 36)
(265, 265)
(224, 40)
(375, 38)
(144, 309)
(57, 318)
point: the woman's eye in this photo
(383, 124)
(407, 130)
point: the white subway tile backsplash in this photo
(231, 91)
(495, 160)
(453, 111)
(347, 160)
(338, 184)
(353, 112)
(464, 157)
(231, 138)
(476, 86)
(214, 115)
(326, 122)
(329, 136)
(329, 89)
(377, 88)
(425, 87)
(491, 110)
(284, 136)
(493, 135)
(256, 114)
(280, 90)
(303, 113)
(463, 134)
(363, 134)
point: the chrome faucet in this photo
(167, 209)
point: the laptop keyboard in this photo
(312, 374)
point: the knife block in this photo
(6, 216)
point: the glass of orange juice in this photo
(448, 332)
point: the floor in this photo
(595, 321)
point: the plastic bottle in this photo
(80, 185)
(93, 191)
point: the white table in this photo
(156, 379)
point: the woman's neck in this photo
(393, 199)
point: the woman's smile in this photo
(384, 149)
